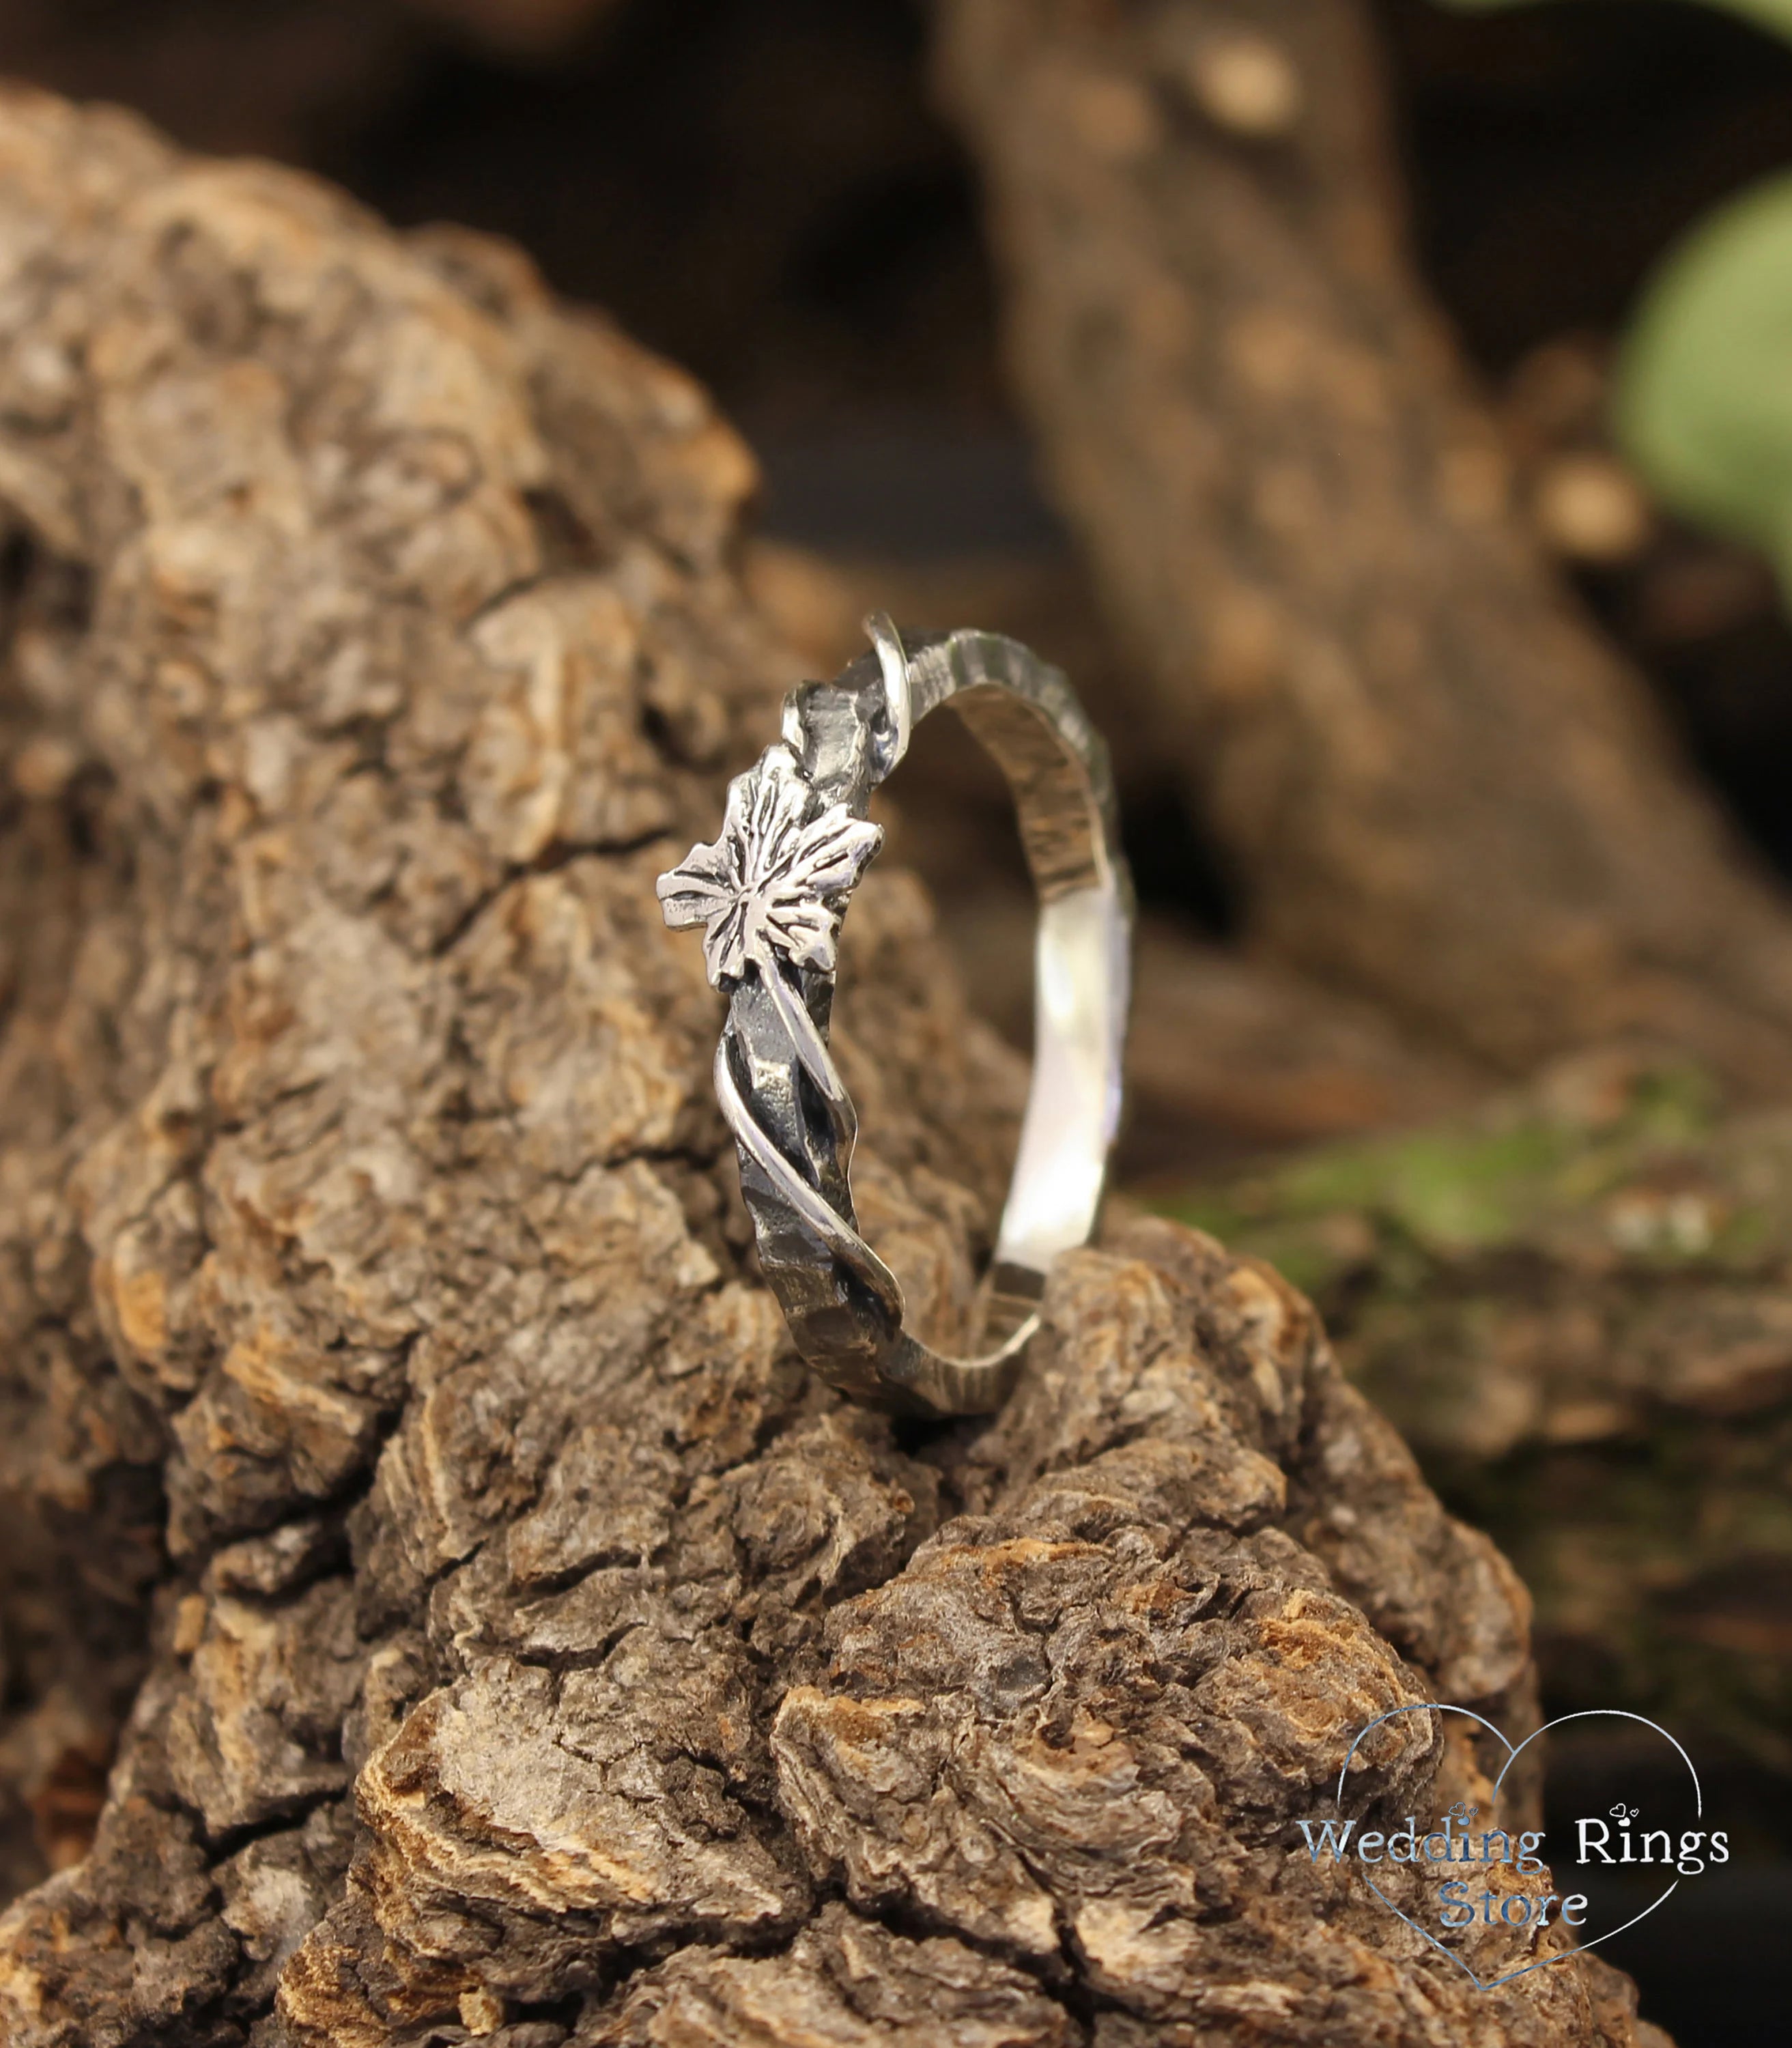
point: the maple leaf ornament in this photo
(769, 884)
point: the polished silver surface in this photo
(769, 893)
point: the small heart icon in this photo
(1513, 1753)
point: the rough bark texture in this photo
(1578, 1306)
(537, 1654)
(1435, 782)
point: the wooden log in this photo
(537, 1653)
(1574, 1304)
(1435, 781)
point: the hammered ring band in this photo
(771, 892)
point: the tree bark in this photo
(1576, 1305)
(537, 1652)
(1434, 780)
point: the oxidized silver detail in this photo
(769, 892)
(768, 885)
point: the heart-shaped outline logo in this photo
(1513, 1753)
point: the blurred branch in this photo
(1436, 781)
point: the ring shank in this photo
(1026, 716)
(1080, 965)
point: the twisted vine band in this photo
(770, 893)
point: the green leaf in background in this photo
(1703, 394)
(1774, 16)
(1703, 397)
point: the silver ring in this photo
(771, 892)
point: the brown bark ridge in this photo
(1435, 782)
(538, 1655)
